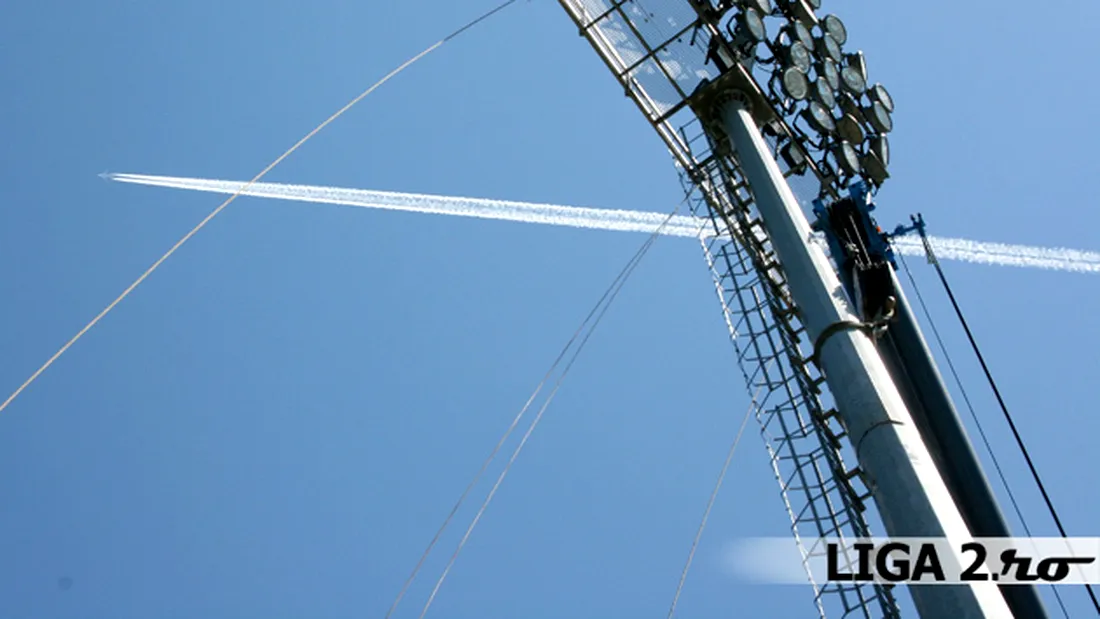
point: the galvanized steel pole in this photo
(907, 488)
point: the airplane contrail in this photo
(966, 250)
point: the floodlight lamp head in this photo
(823, 93)
(879, 118)
(831, 25)
(721, 53)
(827, 47)
(751, 26)
(847, 157)
(795, 83)
(820, 118)
(849, 105)
(849, 130)
(797, 31)
(878, 93)
(827, 69)
(792, 155)
(874, 169)
(853, 81)
(880, 146)
(799, 56)
(801, 11)
(857, 62)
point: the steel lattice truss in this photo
(802, 438)
(657, 49)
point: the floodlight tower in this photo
(744, 121)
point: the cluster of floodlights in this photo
(813, 80)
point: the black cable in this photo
(1004, 408)
(977, 420)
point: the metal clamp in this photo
(872, 329)
(833, 329)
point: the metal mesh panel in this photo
(663, 36)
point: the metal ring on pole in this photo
(833, 329)
(872, 329)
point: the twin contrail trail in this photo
(605, 219)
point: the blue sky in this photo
(275, 423)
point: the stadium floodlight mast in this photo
(912, 497)
(767, 79)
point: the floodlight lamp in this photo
(823, 93)
(801, 11)
(752, 25)
(857, 62)
(847, 157)
(879, 145)
(874, 169)
(814, 4)
(852, 80)
(792, 156)
(850, 106)
(795, 83)
(832, 26)
(799, 56)
(820, 118)
(827, 69)
(878, 93)
(849, 130)
(879, 118)
(827, 47)
(797, 31)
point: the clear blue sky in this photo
(275, 423)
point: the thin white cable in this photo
(235, 193)
(515, 422)
(614, 290)
(710, 503)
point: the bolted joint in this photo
(731, 96)
(735, 84)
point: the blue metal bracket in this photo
(917, 226)
(880, 247)
(859, 193)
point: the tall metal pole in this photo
(950, 445)
(910, 494)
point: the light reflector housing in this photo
(827, 47)
(820, 118)
(879, 118)
(822, 92)
(832, 25)
(853, 81)
(849, 130)
(878, 93)
(798, 55)
(795, 83)
(847, 157)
